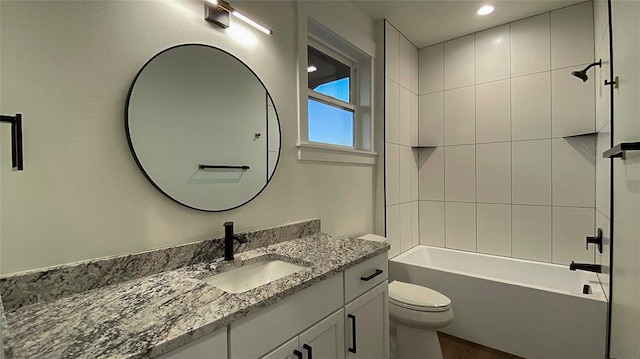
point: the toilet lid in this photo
(418, 297)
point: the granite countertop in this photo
(149, 316)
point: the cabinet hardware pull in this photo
(377, 273)
(353, 332)
(297, 353)
(309, 350)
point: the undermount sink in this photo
(252, 275)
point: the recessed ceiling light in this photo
(311, 68)
(485, 10)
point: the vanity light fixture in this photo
(312, 69)
(485, 10)
(217, 12)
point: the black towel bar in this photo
(17, 159)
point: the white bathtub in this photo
(530, 309)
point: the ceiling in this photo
(428, 22)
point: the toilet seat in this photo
(418, 298)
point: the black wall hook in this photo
(614, 82)
(17, 159)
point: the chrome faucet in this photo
(229, 237)
(586, 267)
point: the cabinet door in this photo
(367, 325)
(324, 340)
(285, 351)
(212, 346)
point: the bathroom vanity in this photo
(325, 320)
(335, 306)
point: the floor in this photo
(456, 348)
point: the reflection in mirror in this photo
(202, 127)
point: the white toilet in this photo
(415, 314)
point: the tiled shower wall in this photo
(603, 127)
(401, 136)
(497, 173)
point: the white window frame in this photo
(362, 150)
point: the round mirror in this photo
(202, 127)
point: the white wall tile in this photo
(392, 53)
(413, 119)
(603, 258)
(414, 173)
(494, 229)
(530, 45)
(392, 173)
(431, 119)
(393, 229)
(404, 60)
(492, 50)
(459, 116)
(460, 225)
(415, 75)
(574, 171)
(571, 226)
(572, 35)
(493, 168)
(404, 128)
(603, 171)
(431, 69)
(431, 223)
(459, 173)
(405, 226)
(531, 172)
(459, 67)
(603, 96)
(531, 232)
(392, 118)
(493, 112)
(406, 162)
(415, 224)
(431, 174)
(531, 107)
(572, 103)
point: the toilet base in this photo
(412, 343)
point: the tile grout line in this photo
(551, 120)
(510, 147)
(475, 136)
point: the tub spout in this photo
(586, 267)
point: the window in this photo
(330, 110)
(335, 98)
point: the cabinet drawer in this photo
(365, 276)
(212, 346)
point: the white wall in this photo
(625, 277)
(67, 66)
(496, 105)
(401, 137)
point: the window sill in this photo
(328, 153)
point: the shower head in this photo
(582, 75)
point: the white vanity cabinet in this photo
(324, 340)
(367, 325)
(261, 332)
(367, 309)
(343, 316)
(212, 346)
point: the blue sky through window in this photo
(330, 124)
(338, 89)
